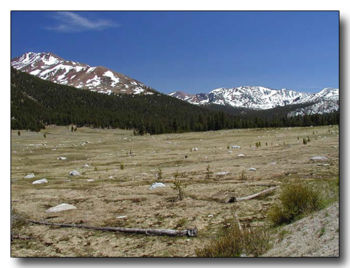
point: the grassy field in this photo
(121, 167)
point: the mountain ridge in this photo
(51, 67)
(262, 98)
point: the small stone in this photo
(90, 180)
(252, 169)
(241, 155)
(61, 158)
(210, 216)
(86, 166)
(236, 147)
(121, 217)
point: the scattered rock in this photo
(241, 155)
(252, 169)
(61, 207)
(319, 158)
(61, 158)
(236, 147)
(74, 173)
(156, 185)
(41, 181)
(29, 176)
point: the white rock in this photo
(121, 217)
(194, 149)
(156, 185)
(236, 147)
(61, 207)
(43, 180)
(252, 169)
(86, 166)
(210, 216)
(273, 163)
(61, 158)
(74, 173)
(110, 177)
(29, 176)
(319, 158)
(90, 180)
(222, 173)
(241, 155)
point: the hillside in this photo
(36, 103)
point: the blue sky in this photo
(192, 51)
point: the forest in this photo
(36, 103)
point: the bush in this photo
(296, 199)
(233, 242)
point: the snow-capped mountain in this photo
(55, 69)
(261, 98)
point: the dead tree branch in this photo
(167, 232)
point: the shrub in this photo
(233, 242)
(159, 174)
(304, 141)
(178, 186)
(296, 199)
(121, 166)
(19, 133)
(208, 173)
(243, 176)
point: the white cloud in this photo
(72, 22)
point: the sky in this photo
(192, 51)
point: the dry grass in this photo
(125, 191)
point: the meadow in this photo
(117, 169)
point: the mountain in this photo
(53, 68)
(262, 98)
(36, 103)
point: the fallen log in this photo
(248, 197)
(167, 232)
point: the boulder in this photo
(222, 173)
(29, 176)
(319, 158)
(156, 185)
(41, 181)
(61, 207)
(74, 173)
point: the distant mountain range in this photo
(262, 98)
(100, 79)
